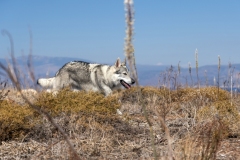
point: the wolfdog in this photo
(86, 76)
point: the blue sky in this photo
(166, 32)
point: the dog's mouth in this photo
(126, 85)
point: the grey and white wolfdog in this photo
(86, 76)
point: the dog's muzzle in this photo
(132, 81)
(126, 85)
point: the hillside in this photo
(149, 75)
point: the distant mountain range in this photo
(152, 75)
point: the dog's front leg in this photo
(106, 90)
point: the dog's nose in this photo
(133, 81)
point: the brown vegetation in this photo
(199, 124)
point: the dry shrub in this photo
(214, 94)
(15, 120)
(132, 95)
(83, 124)
(3, 90)
(91, 122)
(224, 110)
(190, 100)
(207, 94)
(156, 100)
(75, 112)
(203, 142)
(183, 100)
(214, 117)
(95, 136)
(181, 95)
(73, 102)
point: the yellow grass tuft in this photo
(226, 112)
(15, 120)
(73, 102)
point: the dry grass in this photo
(199, 125)
(74, 102)
(15, 120)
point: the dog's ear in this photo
(124, 63)
(118, 63)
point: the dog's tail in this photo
(46, 82)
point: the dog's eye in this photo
(117, 72)
(125, 73)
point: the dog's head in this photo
(121, 74)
